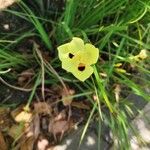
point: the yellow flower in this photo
(77, 58)
(141, 56)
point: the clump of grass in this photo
(119, 28)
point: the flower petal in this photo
(77, 57)
(72, 47)
(92, 54)
(69, 65)
(82, 75)
(77, 44)
(64, 50)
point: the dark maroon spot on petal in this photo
(81, 67)
(71, 55)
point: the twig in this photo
(14, 87)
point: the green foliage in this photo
(119, 28)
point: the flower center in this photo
(81, 67)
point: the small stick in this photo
(14, 87)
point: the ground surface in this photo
(90, 141)
(142, 123)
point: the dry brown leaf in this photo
(25, 77)
(67, 96)
(27, 73)
(16, 111)
(57, 127)
(3, 145)
(4, 110)
(60, 116)
(6, 3)
(5, 119)
(31, 133)
(16, 131)
(42, 107)
(28, 144)
(34, 128)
